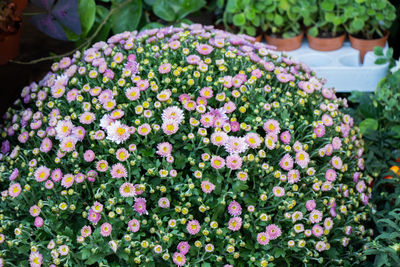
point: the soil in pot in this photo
(284, 44)
(326, 42)
(366, 45)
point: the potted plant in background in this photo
(10, 31)
(282, 22)
(326, 32)
(368, 24)
(245, 16)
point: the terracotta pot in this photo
(21, 4)
(9, 47)
(285, 44)
(365, 45)
(259, 38)
(325, 44)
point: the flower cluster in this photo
(185, 146)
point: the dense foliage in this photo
(181, 145)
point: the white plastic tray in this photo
(342, 68)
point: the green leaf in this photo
(368, 124)
(127, 17)
(163, 10)
(205, 264)
(396, 130)
(378, 50)
(239, 19)
(186, 7)
(87, 14)
(278, 20)
(101, 13)
(357, 24)
(380, 61)
(284, 5)
(327, 5)
(313, 31)
(153, 25)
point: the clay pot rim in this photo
(270, 36)
(327, 38)
(362, 39)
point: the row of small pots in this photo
(325, 44)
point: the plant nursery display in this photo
(181, 146)
(368, 23)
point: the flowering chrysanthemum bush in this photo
(181, 146)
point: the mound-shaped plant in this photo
(181, 146)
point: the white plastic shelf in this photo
(342, 68)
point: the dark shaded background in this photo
(35, 44)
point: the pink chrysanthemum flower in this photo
(134, 225)
(89, 155)
(46, 145)
(320, 246)
(270, 142)
(327, 120)
(234, 162)
(336, 143)
(127, 190)
(229, 107)
(164, 95)
(337, 162)
(234, 208)
(193, 59)
(204, 49)
(179, 259)
(278, 191)
(319, 130)
(315, 216)
(78, 133)
(330, 175)
(42, 173)
(206, 92)
(117, 132)
(242, 176)
(144, 129)
(183, 247)
(38, 222)
(97, 207)
(122, 154)
(164, 149)
(302, 159)
(273, 231)
(86, 231)
(293, 176)
(207, 187)
(193, 227)
(105, 229)
(68, 144)
(235, 145)
(272, 126)
(285, 137)
(63, 129)
(164, 68)
(56, 175)
(94, 216)
(235, 223)
(317, 230)
(170, 126)
(102, 166)
(286, 162)
(217, 162)
(34, 211)
(310, 205)
(35, 259)
(163, 203)
(132, 93)
(253, 140)
(87, 117)
(118, 171)
(263, 238)
(140, 205)
(14, 174)
(219, 138)
(207, 120)
(173, 113)
(67, 180)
